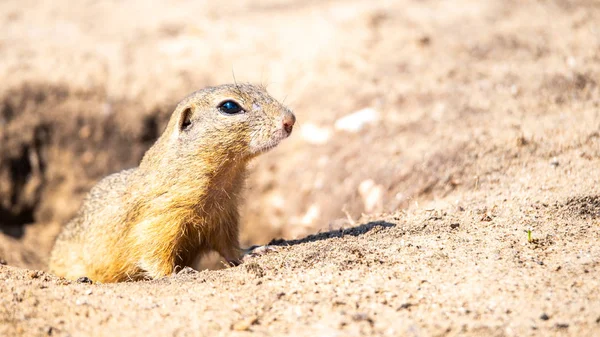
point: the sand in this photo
(442, 179)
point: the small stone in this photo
(372, 195)
(314, 134)
(405, 306)
(354, 122)
(514, 90)
(2, 261)
(522, 141)
(562, 325)
(454, 225)
(424, 40)
(544, 317)
(255, 269)
(363, 317)
(84, 279)
(245, 324)
(554, 162)
(34, 274)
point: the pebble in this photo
(314, 134)
(84, 279)
(372, 195)
(245, 324)
(354, 122)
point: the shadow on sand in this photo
(338, 233)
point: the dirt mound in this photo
(421, 273)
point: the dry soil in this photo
(482, 123)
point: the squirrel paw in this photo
(256, 251)
(184, 271)
(233, 262)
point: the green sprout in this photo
(529, 236)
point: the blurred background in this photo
(392, 98)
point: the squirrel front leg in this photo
(227, 243)
(156, 249)
(156, 263)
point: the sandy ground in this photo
(483, 122)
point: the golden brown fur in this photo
(183, 198)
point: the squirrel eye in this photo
(230, 107)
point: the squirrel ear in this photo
(185, 119)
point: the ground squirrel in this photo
(183, 198)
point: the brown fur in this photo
(182, 200)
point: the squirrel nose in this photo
(288, 122)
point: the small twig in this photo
(352, 222)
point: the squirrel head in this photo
(231, 122)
